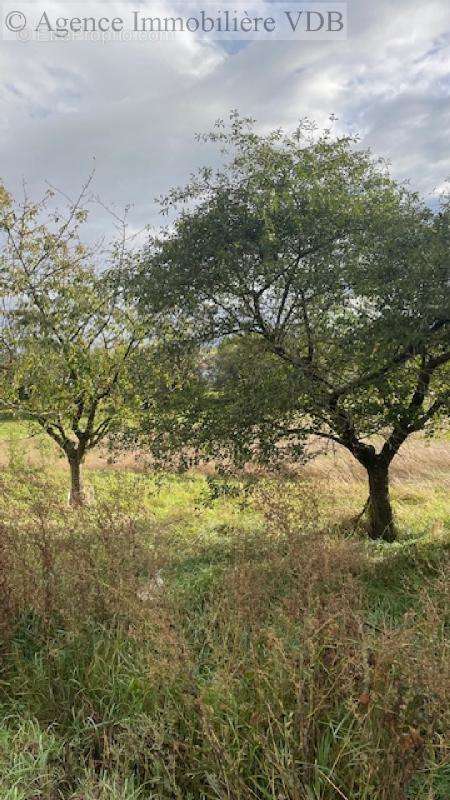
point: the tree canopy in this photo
(307, 243)
(67, 336)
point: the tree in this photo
(167, 377)
(230, 403)
(305, 242)
(67, 336)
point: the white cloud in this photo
(135, 107)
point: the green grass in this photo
(284, 656)
(11, 430)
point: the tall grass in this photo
(164, 644)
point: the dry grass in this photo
(419, 461)
(283, 657)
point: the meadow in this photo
(194, 638)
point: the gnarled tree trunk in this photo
(381, 518)
(76, 496)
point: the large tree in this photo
(305, 242)
(67, 336)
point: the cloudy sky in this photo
(136, 106)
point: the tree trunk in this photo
(76, 497)
(380, 510)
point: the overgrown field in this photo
(187, 638)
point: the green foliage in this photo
(30, 761)
(67, 334)
(248, 395)
(338, 277)
(66, 330)
(265, 665)
(166, 376)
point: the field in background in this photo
(184, 638)
(420, 475)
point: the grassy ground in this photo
(192, 639)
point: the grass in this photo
(181, 639)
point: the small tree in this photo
(67, 336)
(308, 244)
